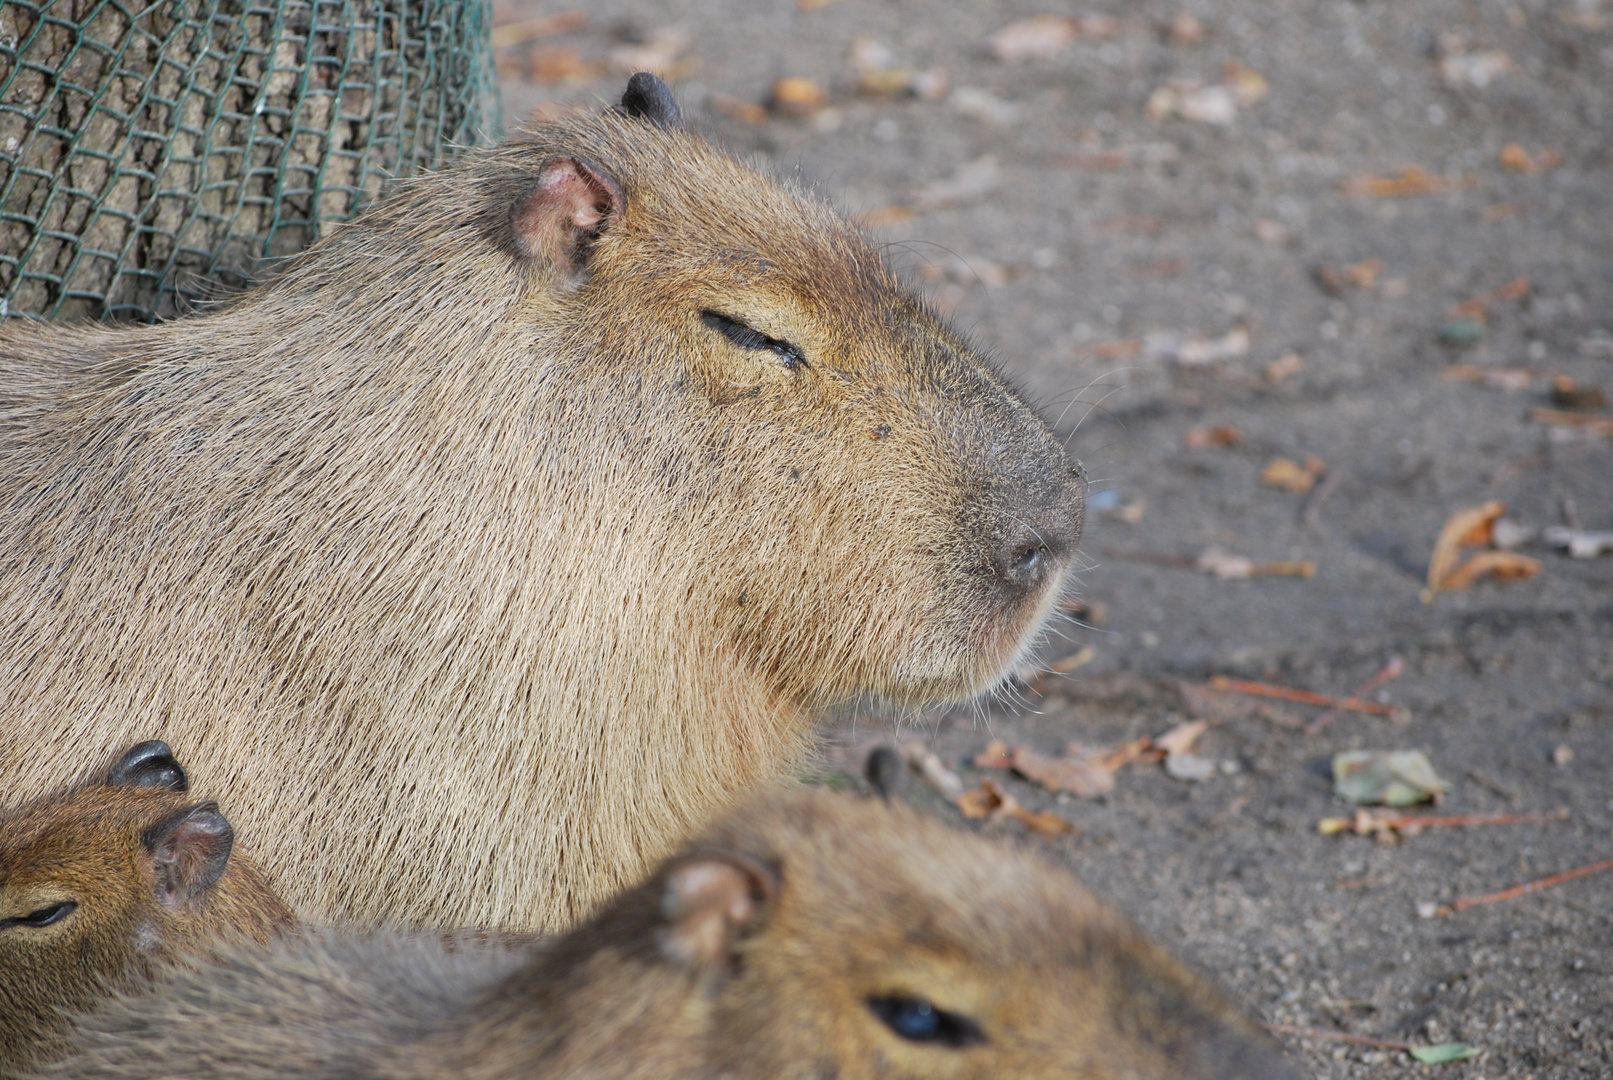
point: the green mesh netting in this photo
(152, 154)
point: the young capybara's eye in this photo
(45, 916)
(747, 337)
(916, 1020)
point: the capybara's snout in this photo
(1036, 525)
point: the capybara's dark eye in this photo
(916, 1020)
(747, 337)
(45, 916)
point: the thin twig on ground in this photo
(1338, 1036)
(1394, 667)
(1319, 495)
(1462, 903)
(1372, 823)
(1303, 697)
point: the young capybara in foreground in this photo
(807, 935)
(522, 522)
(106, 884)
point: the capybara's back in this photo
(105, 885)
(807, 936)
(526, 520)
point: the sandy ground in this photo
(1139, 271)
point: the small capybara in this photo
(806, 935)
(105, 885)
(523, 523)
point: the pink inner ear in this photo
(571, 202)
(190, 854)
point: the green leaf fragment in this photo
(1389, 777)
(1462, 332)
(1443, 1052)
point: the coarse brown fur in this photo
(793, 940)
(88, 864)
(516, 567)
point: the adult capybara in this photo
(808, 935)
(521, 523)
(105, 885)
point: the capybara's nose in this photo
(1037, 529)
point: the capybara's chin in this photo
(980, 655)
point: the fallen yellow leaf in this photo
(1465, 528)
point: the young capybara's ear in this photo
(572, 203)
(189, 851)
(149, 764)
(649, 98)
(713, 898)
(886, 773)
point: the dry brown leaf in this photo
(883, 217)
(1501, 212)
(1478, 308)
(548, 66)
(1465, 528)
(1225, 565)
(984, 801)
(658, 53)
(1247, 85)
(1574, 396)
(1559, 418)
(798, 96)
(1289, 476)
(515, 33)
(938, 776)
(1203, 438)
(1284, 366)
(1364, 274)
(1082, 776)
(735, 108)
(1411, 181)
(990, 801)
(996, 755)
(1140, 750)
(1079, 658)
(1186, 29)
(1495, 378)
(1503, 565)
(1035, 38)
(1516, 158)
(1474, 68)
(1050, 826)
(1117, 350)
(1180, 739)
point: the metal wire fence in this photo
(153, 154)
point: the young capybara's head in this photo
(772, 435)
(103, 885)
(811, 935)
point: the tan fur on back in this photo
(475, 590)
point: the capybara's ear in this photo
(885, 772)
(649, 98)
(149, 764)
(572, 203)
(713, 898)
(189, 851)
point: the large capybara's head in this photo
(810, 935)
(769, 434)
(103, 885)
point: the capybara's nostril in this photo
(1027, 566)
(1021, 558)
